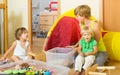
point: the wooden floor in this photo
(38, 46)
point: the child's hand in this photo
(81, 54)
(30, 53)
(88, 53)
(2, 59)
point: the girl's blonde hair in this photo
(83, 10)
(19, 32)
(87, 29)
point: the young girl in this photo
(20, 46)
(86, 50)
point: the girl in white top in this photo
(20, 46)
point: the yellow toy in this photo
(112, 41)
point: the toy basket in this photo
(60, 56)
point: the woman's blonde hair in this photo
(87, 29)
(83, 10)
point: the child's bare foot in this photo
(82, 72)
(76, 73)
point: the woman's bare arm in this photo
(97, 31)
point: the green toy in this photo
(8, 71)
(22, 71)
(15, 71)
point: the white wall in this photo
(1, 1)
(94, 4)
(1, 30)
(17, 17)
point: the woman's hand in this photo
(70, 47)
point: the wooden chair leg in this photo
(92, 69)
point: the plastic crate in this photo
(60, 56)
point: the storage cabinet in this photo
(46, 20)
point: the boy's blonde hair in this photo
(19, 32)
(83, 10)
(87, 29)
